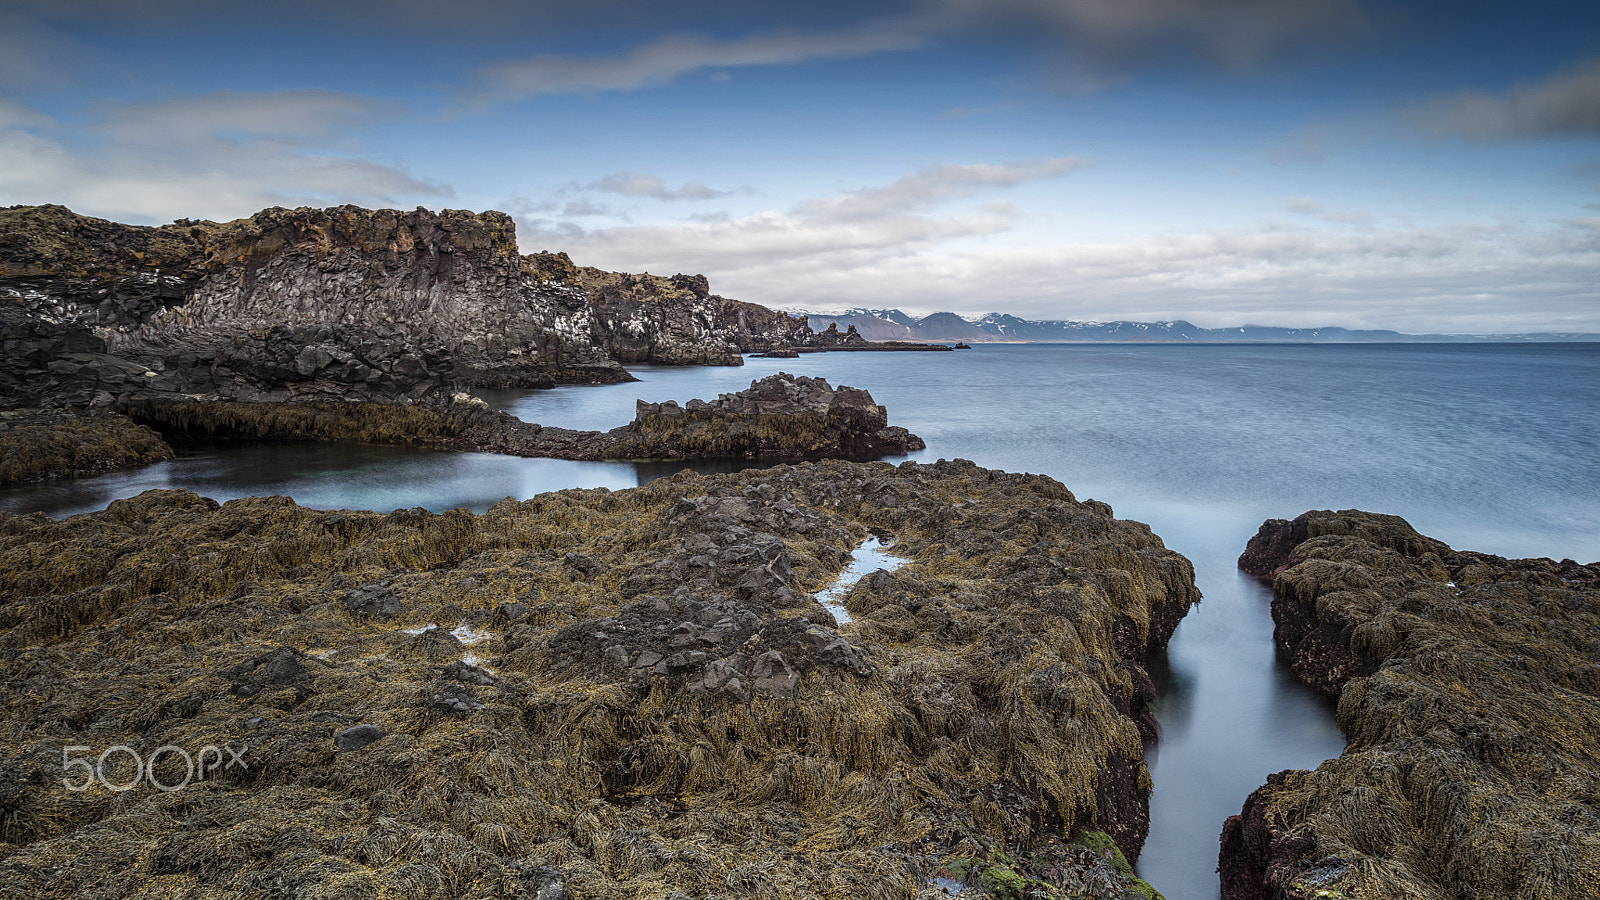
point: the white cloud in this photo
(669, 58)
(218, 155)
(935, 185)
(1565, 104)
(640, 185)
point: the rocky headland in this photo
(338, 304)
(1468, 690)
(588, 694)
(341, 303)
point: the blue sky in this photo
(1419, 166)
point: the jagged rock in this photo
(769, 674)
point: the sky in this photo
(1418, 166)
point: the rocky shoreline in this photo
(780, 417)
(589, 694)
(1469, 693)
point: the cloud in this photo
(298, 116)
(1233, 33)
(669, 58)
(1567, 104)
(935, 185)
(219, 155)
(640, 185)
(845, 230)
(1306, 206)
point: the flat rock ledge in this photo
(781, 416)
(589, 694)
(1469, 693)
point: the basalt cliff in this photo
(587, 695)
(1469, 693)
(341, 303)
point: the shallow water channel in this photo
(871, 556)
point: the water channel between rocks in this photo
(871, 556)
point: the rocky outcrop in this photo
(589, 693)
(830, 338)
(778, 417)
(670, 321)
(336, 303)
(1469, 693)
(651, 319)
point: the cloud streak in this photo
(1566, 104)
(669, 58)
(931, 186)
(634, 184)
(1233, 33)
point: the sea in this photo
(1488, 447)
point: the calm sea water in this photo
(1490, 448)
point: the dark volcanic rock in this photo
(831, 339)
(626, 691)
(670, 321)
(336, 303)
(1469, 692)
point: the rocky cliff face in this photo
(652, 319)
(671, 321)
(1469, 692)
(342, 303)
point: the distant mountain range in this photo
(895, 325)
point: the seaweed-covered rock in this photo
(1469, 693)
(590, 693)
(781, 416)
(51, 443)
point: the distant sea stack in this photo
(1469, 693)
(334, 304)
